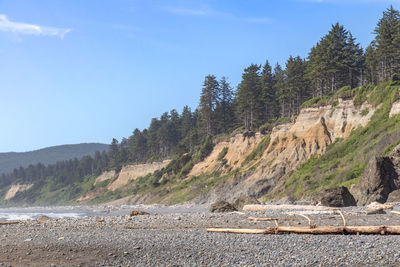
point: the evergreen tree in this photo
(224, 113)
(268, 92)
(297, 86)
(280, 89)
(387, 43)
(208, 102)
(371, 64)
(114, 153)
(334, 61)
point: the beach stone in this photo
(241, 201)
(394, 196)
(334, 197)
(43, 218)
(138, 212)
(378, 181)
(222, 206)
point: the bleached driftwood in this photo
(254, 219)
(375, 211)
(259, 207)
(376, 205)
(313, 229)
(12, 222)
(322, 230)
(395, 212)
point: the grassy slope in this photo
(345, 160)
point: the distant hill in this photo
(49, 155)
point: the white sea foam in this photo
(26, 215)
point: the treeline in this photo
(267, 94)
(264, 96)
(62, 173)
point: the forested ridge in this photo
(266, 96)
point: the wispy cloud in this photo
(187, 11)
(214, 13)
(258, 20)
(30, 29)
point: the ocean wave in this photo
(18, 215)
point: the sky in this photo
(87, 71)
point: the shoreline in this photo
(180, 239)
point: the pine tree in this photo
(249, 102)
(208, 102)
(268, 92)
(280, 88)
(387, 43)
(334, 61)
(114, 153)
(224, 113)
(297, 86)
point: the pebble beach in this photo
(176, 236)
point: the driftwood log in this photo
(321, 230)
(7, 223)
(260, 207)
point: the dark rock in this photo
(379, 179)
(138, 212)
(355, 191)
(334, 197)
(244, 200)
(222, 206)
(394, 196)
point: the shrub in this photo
(364, 112)
(222, 154)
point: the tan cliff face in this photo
(14, 189)
(239, 148)
(291, 144)
(132, 172)
(119, 180)
(314, 130)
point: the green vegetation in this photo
(316, 102)
(222, 154)
(364, 112)
(390, 148)
(265, 97)
(49, 155)
(345, 160)
(258, 152)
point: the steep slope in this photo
(327, 145)
(49, 155)
(293, 143)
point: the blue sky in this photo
(88, 71)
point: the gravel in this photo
(176, 237)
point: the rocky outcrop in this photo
(222, 206)
(378, 181)
(334, 197)
(14, 189)
(395, 108)
(394, 196)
